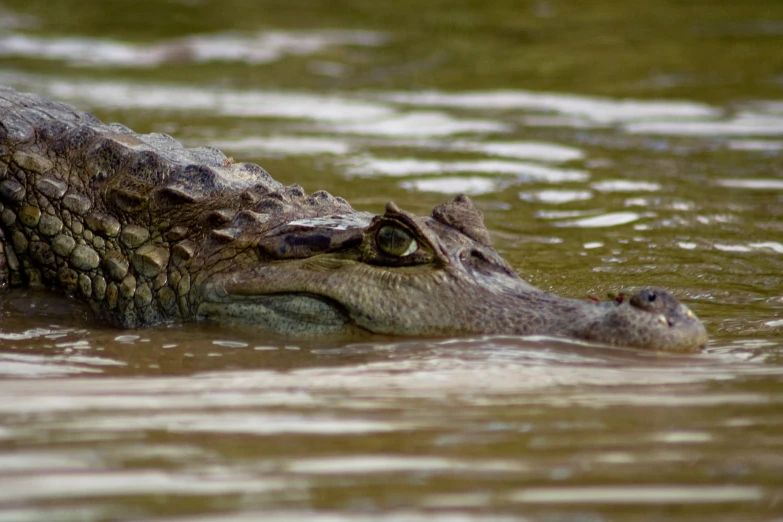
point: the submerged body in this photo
(147, 231)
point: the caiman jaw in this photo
(287, 314)
(652, 318)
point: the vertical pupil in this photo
(394, 241)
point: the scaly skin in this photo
(147, 231)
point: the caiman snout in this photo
(652, 318)
(663, 303)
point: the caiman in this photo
(148, 231)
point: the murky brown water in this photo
(609, 146)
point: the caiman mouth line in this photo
(147, 231)
(285, 313)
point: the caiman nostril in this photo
(645, 299)
(661, 302)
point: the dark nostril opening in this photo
(644, 299)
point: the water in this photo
(609, 146)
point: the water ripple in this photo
(625, 185)
(753, 184)
(612, 219)
(251, 48)
(226, 102)
(409, 166)
(472, 185)
(421, 124)
(646, 494)
(741, 125)
(597, 109)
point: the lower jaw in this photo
(301, 315)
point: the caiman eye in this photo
(395, 241)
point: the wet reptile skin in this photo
(147, 231)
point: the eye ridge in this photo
(395, 241)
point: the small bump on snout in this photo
(645, 299)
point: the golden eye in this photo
(395, 241)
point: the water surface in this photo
(609, 147)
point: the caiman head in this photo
(147, 231)
(402, 274)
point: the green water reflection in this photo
(711, 50)
(609, 145)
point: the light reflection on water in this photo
(259, 48)
(524, 171)
(571, 407)
(215, 101)
(600, 110)
(583, 194)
